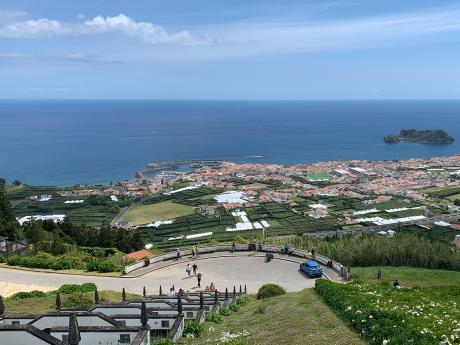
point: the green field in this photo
(408, 276)
(295, 318)
(319, 176)
(165, 210)
(441, 192)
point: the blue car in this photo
(311, 269)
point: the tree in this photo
(106, 238)
(122, 240)
(17, 182)
(8, 225)
(57, 246)
(137, 241)
(34, 232)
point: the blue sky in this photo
(203, 49)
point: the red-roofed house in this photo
(139, 255)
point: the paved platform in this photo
(223, 271)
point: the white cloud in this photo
(256, 38)
(144, 31)
(33, 28)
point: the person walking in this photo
(193, 252)
(198, 277)
(194, 267)
(233, 246)
(188, 269)
(178, 254)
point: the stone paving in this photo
(231, 270)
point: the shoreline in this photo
(312, 163)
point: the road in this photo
(223, 272)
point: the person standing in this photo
(193, 252)
(198, 277)
(178, 254)
(188, 269)
(194, 267)
(286, 248)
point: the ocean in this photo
(68, 142)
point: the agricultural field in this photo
(449, 193)
(383, 314)
(165, 210)
(92, 213)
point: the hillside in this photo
(283, 320)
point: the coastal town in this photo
(226, 199)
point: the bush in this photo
(2, 258)
(46, 261)
(102, 266)
(234, 307)
(243, 300)
(28, 294)
(213, 317)
(78, 299)
(163, 341)
(193, 328)
(241, 240)
(224, 311)
(270, 290)
(72, 288)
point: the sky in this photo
(238, 49)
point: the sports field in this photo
(166, 210)
(319, 176)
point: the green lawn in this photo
(166, 210)
(318, 176)
(296, 318)
(39, 305)
(408, 276)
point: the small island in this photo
(432, 136)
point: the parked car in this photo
(311, 269)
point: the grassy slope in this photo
(408, 276)
(166, 210)
(33, 306)
(296, 318)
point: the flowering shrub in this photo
(239, 338)
(385, 315)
